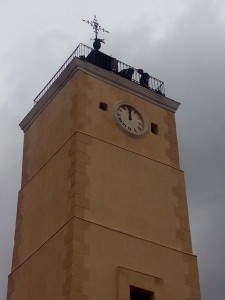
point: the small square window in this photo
(103, 106)
(140, 294)
(154, 128)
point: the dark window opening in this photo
(154, 128)
(140, 294)
(103, 106)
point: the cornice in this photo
(99, 73)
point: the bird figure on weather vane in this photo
(95, 25)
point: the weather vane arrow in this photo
(95, 25)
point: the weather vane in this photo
(95, 25)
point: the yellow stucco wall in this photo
(136, 195)
(76, 107)
(117, 261)
(113, 205)
(45, 274)
(90, 261)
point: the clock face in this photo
(129, 118)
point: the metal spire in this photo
(95, 25)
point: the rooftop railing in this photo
(110, 64)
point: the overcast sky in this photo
(180, 42)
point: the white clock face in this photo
(129, 118)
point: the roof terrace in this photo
(111, 64)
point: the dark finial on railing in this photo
(95, 25)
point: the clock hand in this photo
(129, 110)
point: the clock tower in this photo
(102, 210)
